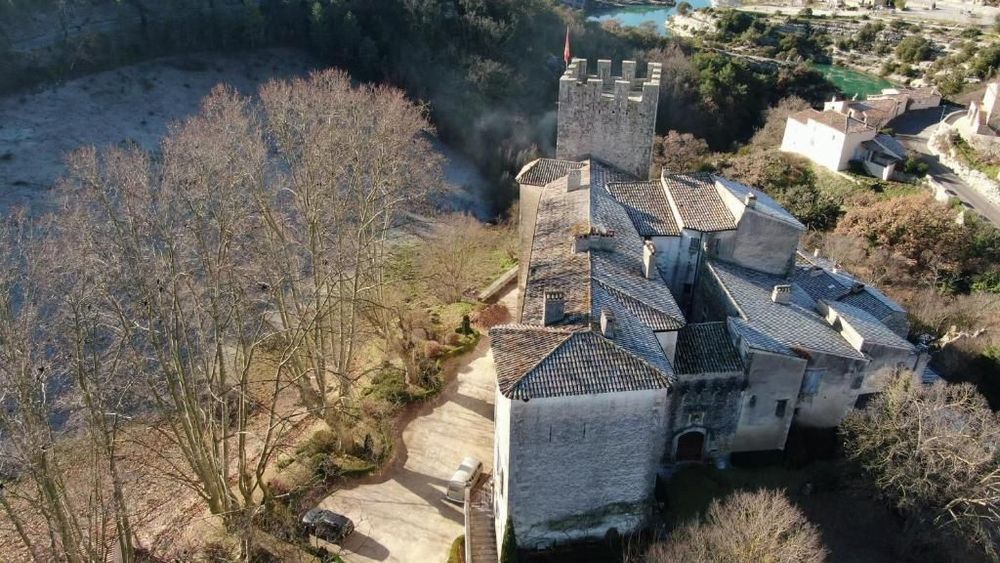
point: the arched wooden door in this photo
(690, 446)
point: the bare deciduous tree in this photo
(935, 453)
(747, 526)
(353, 159)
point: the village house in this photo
(661, 322)
(833, 139)
(848, 130)
(983, 117)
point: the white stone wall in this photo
(822, 144)
(581, 465)
(760, 242)
(770, 378)
(501, 464)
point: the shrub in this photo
(434, 349)
(456, 554)
(916, 167)
(322, 442)
(492, 315)
(746, 526)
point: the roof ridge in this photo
(601, 280)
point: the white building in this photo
(833, 139)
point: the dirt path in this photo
(403, 517)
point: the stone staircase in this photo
(480, 532)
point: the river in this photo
(634, 16)
(852, 82)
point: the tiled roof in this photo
(765, 204)
(545, 170)
(832, 119)
(552, 265)
(631, 333)
(647, 207)
(698, 203)
(534, 362)
(870, 328)
(818, 283)
(706, 348)
(796, 324)
(649, 315)
(754, 339)
(891, 145)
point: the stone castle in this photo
(661, 321)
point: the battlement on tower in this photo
(610, 118)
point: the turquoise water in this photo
(852, 82)
(634, 16)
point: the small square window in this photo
(752, 402)
(696, 418)
(779, 408)
(858, 381)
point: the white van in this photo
(464, 477)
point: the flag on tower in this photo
(566, 48)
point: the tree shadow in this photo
(424, 487)
(366, 546)
(478, 406)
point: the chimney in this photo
(781, 294)
(574, 180)
(607, 324)
(648, 259)
(857, 287)
(601, 238)
(816, 252)
(750, 200)
(554, 303)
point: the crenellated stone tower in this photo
(611, 119)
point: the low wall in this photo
(974, 178)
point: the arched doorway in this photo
(690, 446)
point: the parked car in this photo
(464, 477)
(327, 525)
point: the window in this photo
(500, 478)
(693, 245)
(779, 408)
(811, 381)
(858, 381)
(752, 402)
(696, 418)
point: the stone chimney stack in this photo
(750, 200)
(554, 303)
(574, 180)
(782, 294)
(648, 259)
(607, 324)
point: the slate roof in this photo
(830, 286)
(545, 170)
(698, 203)
(535, 362)
(765, 204)
(647, 207)
(870, 328)
(706, 348)
(795, 325)
(754, 338)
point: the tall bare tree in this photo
(177, 241)
(353, 160)
(935, 453)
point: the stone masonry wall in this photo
(611, 119)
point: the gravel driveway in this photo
(404, 518)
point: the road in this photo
(913, 128)
(404, 517)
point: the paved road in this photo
(404, 518)
(913, 128)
